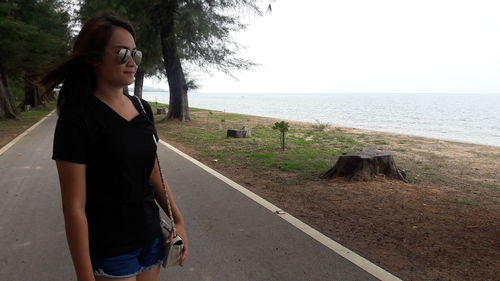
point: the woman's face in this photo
(109, 72)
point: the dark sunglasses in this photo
(124, 55)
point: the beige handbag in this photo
(173, 249)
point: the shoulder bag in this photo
(173, 249)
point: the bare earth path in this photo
(443, 225)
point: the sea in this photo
(471, 118)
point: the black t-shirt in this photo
(119, 156)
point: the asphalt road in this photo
(232, 238)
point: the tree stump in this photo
(162, 110)
(365, 165)
(243, 133)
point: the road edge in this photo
(351, 256)
(20, 136)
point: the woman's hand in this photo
(181, 231)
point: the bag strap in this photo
(171, 217)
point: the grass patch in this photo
(261, 156)
(309, 151)
(11, 128)
(379, 142)
(346, 140)
(303, 159)
(321, 126)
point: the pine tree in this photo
(33, 36)
(177, 33)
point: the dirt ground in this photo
(443, 225)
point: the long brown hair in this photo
(77, 73)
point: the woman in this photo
(104, 147)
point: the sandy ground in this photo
(443, 225)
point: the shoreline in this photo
(461, 118)
(424, 157)
(354, 128)
(451, 198)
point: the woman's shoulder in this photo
(71, 112)
(144, 103)
(76, 109)
(84, 113)
(134, 97)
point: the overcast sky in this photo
(369, 46)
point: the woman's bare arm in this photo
(155, 181)
(73, 186)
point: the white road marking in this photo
(14, 141)
(356, 259)
(351, 256)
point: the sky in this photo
(366, 46)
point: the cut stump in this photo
(243, 133)
(161, 111)
(365, 165)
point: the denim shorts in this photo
(132, 263)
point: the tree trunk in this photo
(7, 107)
(139, 81)
(283, 141)
(365, 165)
(32, 95)
(178, 105)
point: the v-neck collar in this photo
(116, 113)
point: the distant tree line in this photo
(33, 35)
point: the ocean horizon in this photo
(471, 118)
